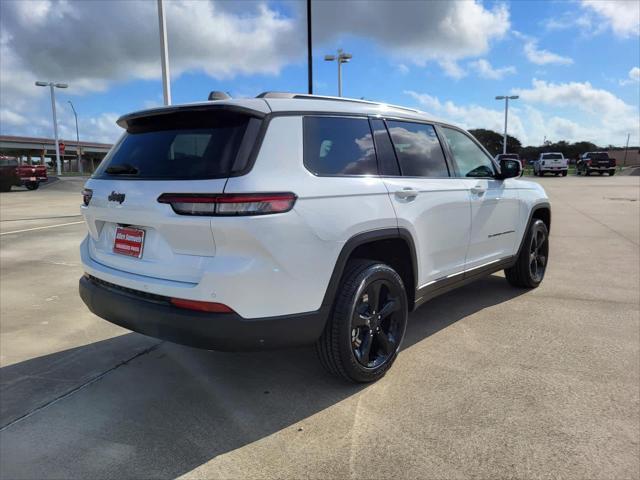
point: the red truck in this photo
(12, 173)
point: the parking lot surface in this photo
(492, 381)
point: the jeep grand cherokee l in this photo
(294, 219)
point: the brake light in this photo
(211, 307)
(588, 162)
(229, 204)
(86, 196)
(613, 162)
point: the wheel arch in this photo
(540, 211)
(393, 246)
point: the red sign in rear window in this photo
(129, 241)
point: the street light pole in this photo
(164, 54)
(52, 85)
(506, 99)
(340, 58)
(80, 169)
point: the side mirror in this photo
(510, 168)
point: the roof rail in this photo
(307, 96)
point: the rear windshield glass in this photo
(552, 156)
(8, 162)
(599, 156)
(513, 156)
(184, 145)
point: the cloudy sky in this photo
(574, 63)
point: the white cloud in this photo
(591, 114)
(632, 78)
(402, 69)
(543, 57)
(11, 118)
(582, 96)
(419, 31)
(452, 69)
(486, 70)
(622, 16)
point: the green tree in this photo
(492, 141)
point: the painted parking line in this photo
(41, 228)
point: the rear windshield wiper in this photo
(124, 169)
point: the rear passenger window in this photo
(339, 146)
(418, 149)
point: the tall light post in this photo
(506, 99)
(340, 58)
(77, 138)
(164, 54)
(52, 85)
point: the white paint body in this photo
(281, 264)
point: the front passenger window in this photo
(470, 160)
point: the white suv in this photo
(294, 219)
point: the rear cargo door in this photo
(186, 152)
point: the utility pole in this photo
(164, 54)
(309, 49)
(506, 99)
(52, 86)
(626, 149)
(80, 168)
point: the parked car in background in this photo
(591, 162)
(295, 219)
(12, 173)
(551, 162)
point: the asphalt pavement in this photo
(492, 381)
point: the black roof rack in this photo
(307, 96)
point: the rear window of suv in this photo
(182, 146)
(552, 156)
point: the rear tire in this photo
(362, 337)
(5, 187)
(564, 174)
(531, 264)
(32, 185)
(587, 173)
(612, 173)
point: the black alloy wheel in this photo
(376, 324)
(363, 334)
(531, 265)
(538, 254)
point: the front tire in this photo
(363, 335)
(531, 265)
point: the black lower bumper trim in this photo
(212, 331)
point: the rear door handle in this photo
(478, 190)
(407, 193)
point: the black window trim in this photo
(457, 175)
(438, 136)
(339, 175)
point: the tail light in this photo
(588, 162)
(229, 204)
(613, 162)
(211, 307)
(86, 196)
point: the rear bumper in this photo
(212, 331)
(24, 180)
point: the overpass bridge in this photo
(28, 148)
